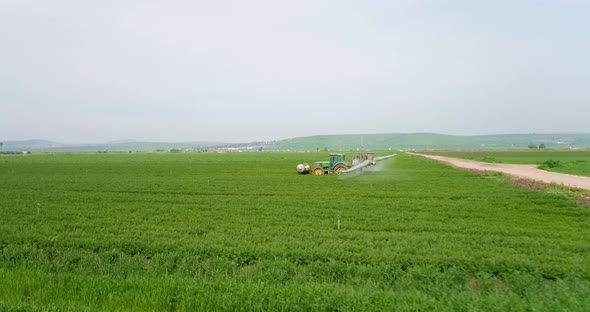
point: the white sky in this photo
(94, 71)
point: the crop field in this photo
(244, 231)
(564, 161)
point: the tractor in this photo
(337, 164)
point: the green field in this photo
(243, 231)
(564, 161)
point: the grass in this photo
(563, 161)
(245, 232)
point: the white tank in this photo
(303, 168)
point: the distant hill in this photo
(48, 146)
(121, 141)
(402, 141)
(384, 141)
(29, 145)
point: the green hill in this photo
(383, 141)
(431, 141)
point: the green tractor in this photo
(337, 164)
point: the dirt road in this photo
(520, 171)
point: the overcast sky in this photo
(94, 71)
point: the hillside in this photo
(431, 141)
(384, 141)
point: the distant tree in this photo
(260, 149)
(542, 145)
(325, 149)
(533, 146)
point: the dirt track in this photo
(521, 171)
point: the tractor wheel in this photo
(339, 168)
(318, 171)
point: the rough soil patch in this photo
(530, 184)
(583, 200)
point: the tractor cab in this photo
(336, 159)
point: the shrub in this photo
(550, 164)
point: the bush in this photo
(550, 164)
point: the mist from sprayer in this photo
(383, 171)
